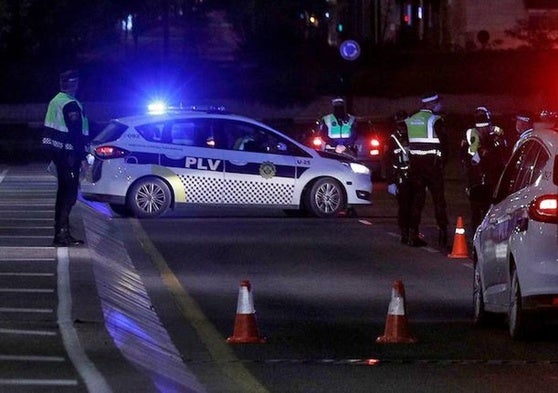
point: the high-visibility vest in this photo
(335, 130)
(54, 119)
(473, 140)
(422, 136)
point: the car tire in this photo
(325, 198)
(479, 313)
(149, 198)
(121, 210)
(517, 319)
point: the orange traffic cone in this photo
(245, 327)
(397, 328)
(459, 249)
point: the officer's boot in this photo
(62, 238)
(443, 237)
(415, 240)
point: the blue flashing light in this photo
(157, 108)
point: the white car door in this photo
(259, 169)
(190, 153)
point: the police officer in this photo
(524, 127)
(427, 155)
(338, 129)
(64, 140)
(483, 156)
(397, 172)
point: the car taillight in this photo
(544, 208)
(107, 152)
(374, 145)
(317, 141)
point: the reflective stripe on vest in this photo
(54, 117)
(473, 140)
(422, 136)
(336, 130)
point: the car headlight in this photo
(359, 168)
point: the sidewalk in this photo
(99, 331)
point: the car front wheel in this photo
(325, 198)
(149, 198)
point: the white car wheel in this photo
(149, 198)
(325, 198)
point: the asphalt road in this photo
(321, 290)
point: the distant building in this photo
(450, 24)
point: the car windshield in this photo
(111, 132)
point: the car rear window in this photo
(111, 132)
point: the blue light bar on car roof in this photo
(157, 108)
(160, 107)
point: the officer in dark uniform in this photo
(427, 155)
(397, 172)
(64, 140)
(483, 156)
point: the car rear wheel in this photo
(149, 198)
(325, 198)
(479, 313)
(517, 320)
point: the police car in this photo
(145, 165)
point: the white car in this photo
(145, 165)
(516, 246)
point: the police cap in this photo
(524, 116)
(430, 97)
(337, 101)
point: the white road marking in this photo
(28, 332)
(92, 377)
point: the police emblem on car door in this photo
(258, 168)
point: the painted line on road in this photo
(27, 310)
(26, 332)
(31, 358)
(92, 377)
(3, 175)
(219, 351)
(18, 274)
(26, 290)
(38, 382)
(365, 222)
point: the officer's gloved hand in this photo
(392, 189)
(476, 158)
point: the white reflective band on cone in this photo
(245, 303)
(459, 231)
(396, 305)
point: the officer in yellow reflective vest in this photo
(483, 156)
(427, 156)
(64, 141)
(337, 129)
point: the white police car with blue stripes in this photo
(145, 165)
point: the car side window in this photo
(151, 132)
(509, 177)
(189, 132)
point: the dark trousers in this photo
(67, 172)
(404, 206)
(427, 172)
(480, 197)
